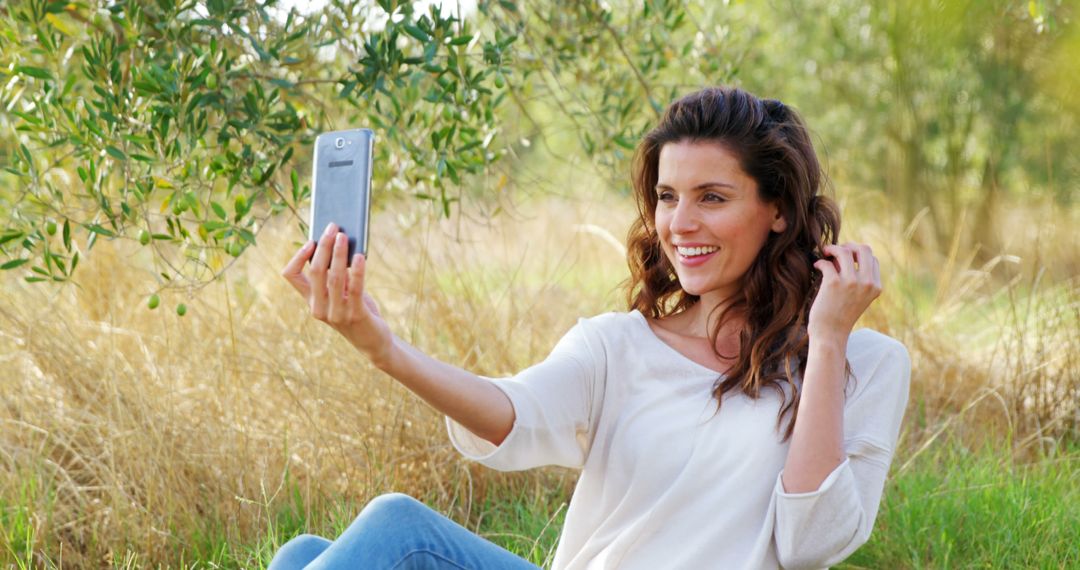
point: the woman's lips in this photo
(696, 260)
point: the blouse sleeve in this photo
(822, 527)
(556, 406)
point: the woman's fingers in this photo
(844, 261)
(335, 279)
(355, 294)
(851, 280)
(827, 267)
(868, 274)
(320, 264)
(294, 269)
(865, 259)
(856, 268)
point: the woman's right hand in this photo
(335, 294)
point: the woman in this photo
(731, 419)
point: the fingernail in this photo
(340, 238)
(329, 229)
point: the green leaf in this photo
(11, 236)
(416, 32)
(146, 87)
(13, 264)
(97, 229)
(347, 89)
(241, 206)
(218, 210)
(211, 225)
(115, 153)
(33, 71)
(28, 118)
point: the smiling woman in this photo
(729, 419)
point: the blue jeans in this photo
(396, 531)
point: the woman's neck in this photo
(700, 320)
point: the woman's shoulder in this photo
(878, 361)
(612, 329)
(613, 318)
(871, 343)
(614, 323)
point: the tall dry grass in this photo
(126, 429)
(137, 437)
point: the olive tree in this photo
(186, 124)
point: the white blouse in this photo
(666, 482)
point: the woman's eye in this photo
(665, 196)
(710, 197)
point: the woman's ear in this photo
(779, 223)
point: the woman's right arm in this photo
(335, 294)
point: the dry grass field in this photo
(132, 437)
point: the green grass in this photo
(950, 508)
(954, 508)
(528, 526)
(18, 534)
(19, 539)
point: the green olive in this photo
(211, 81)
(50, 227)
(144, 237)
(181, 309)
(153, 302)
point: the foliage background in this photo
(159, 152)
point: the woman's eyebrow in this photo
(701, 186)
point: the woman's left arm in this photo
(849, 283)
(827, 497)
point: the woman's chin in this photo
(703, 289)
(695, 290)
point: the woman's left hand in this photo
(850, 281)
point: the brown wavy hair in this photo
(773, 147)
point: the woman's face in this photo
(709, 217)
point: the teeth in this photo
(692, 251)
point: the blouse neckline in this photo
(652, 334)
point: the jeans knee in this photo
(307, 542)
(299, 552)
(393, 506)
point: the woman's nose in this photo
(684, 219)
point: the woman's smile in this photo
(694, 256)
